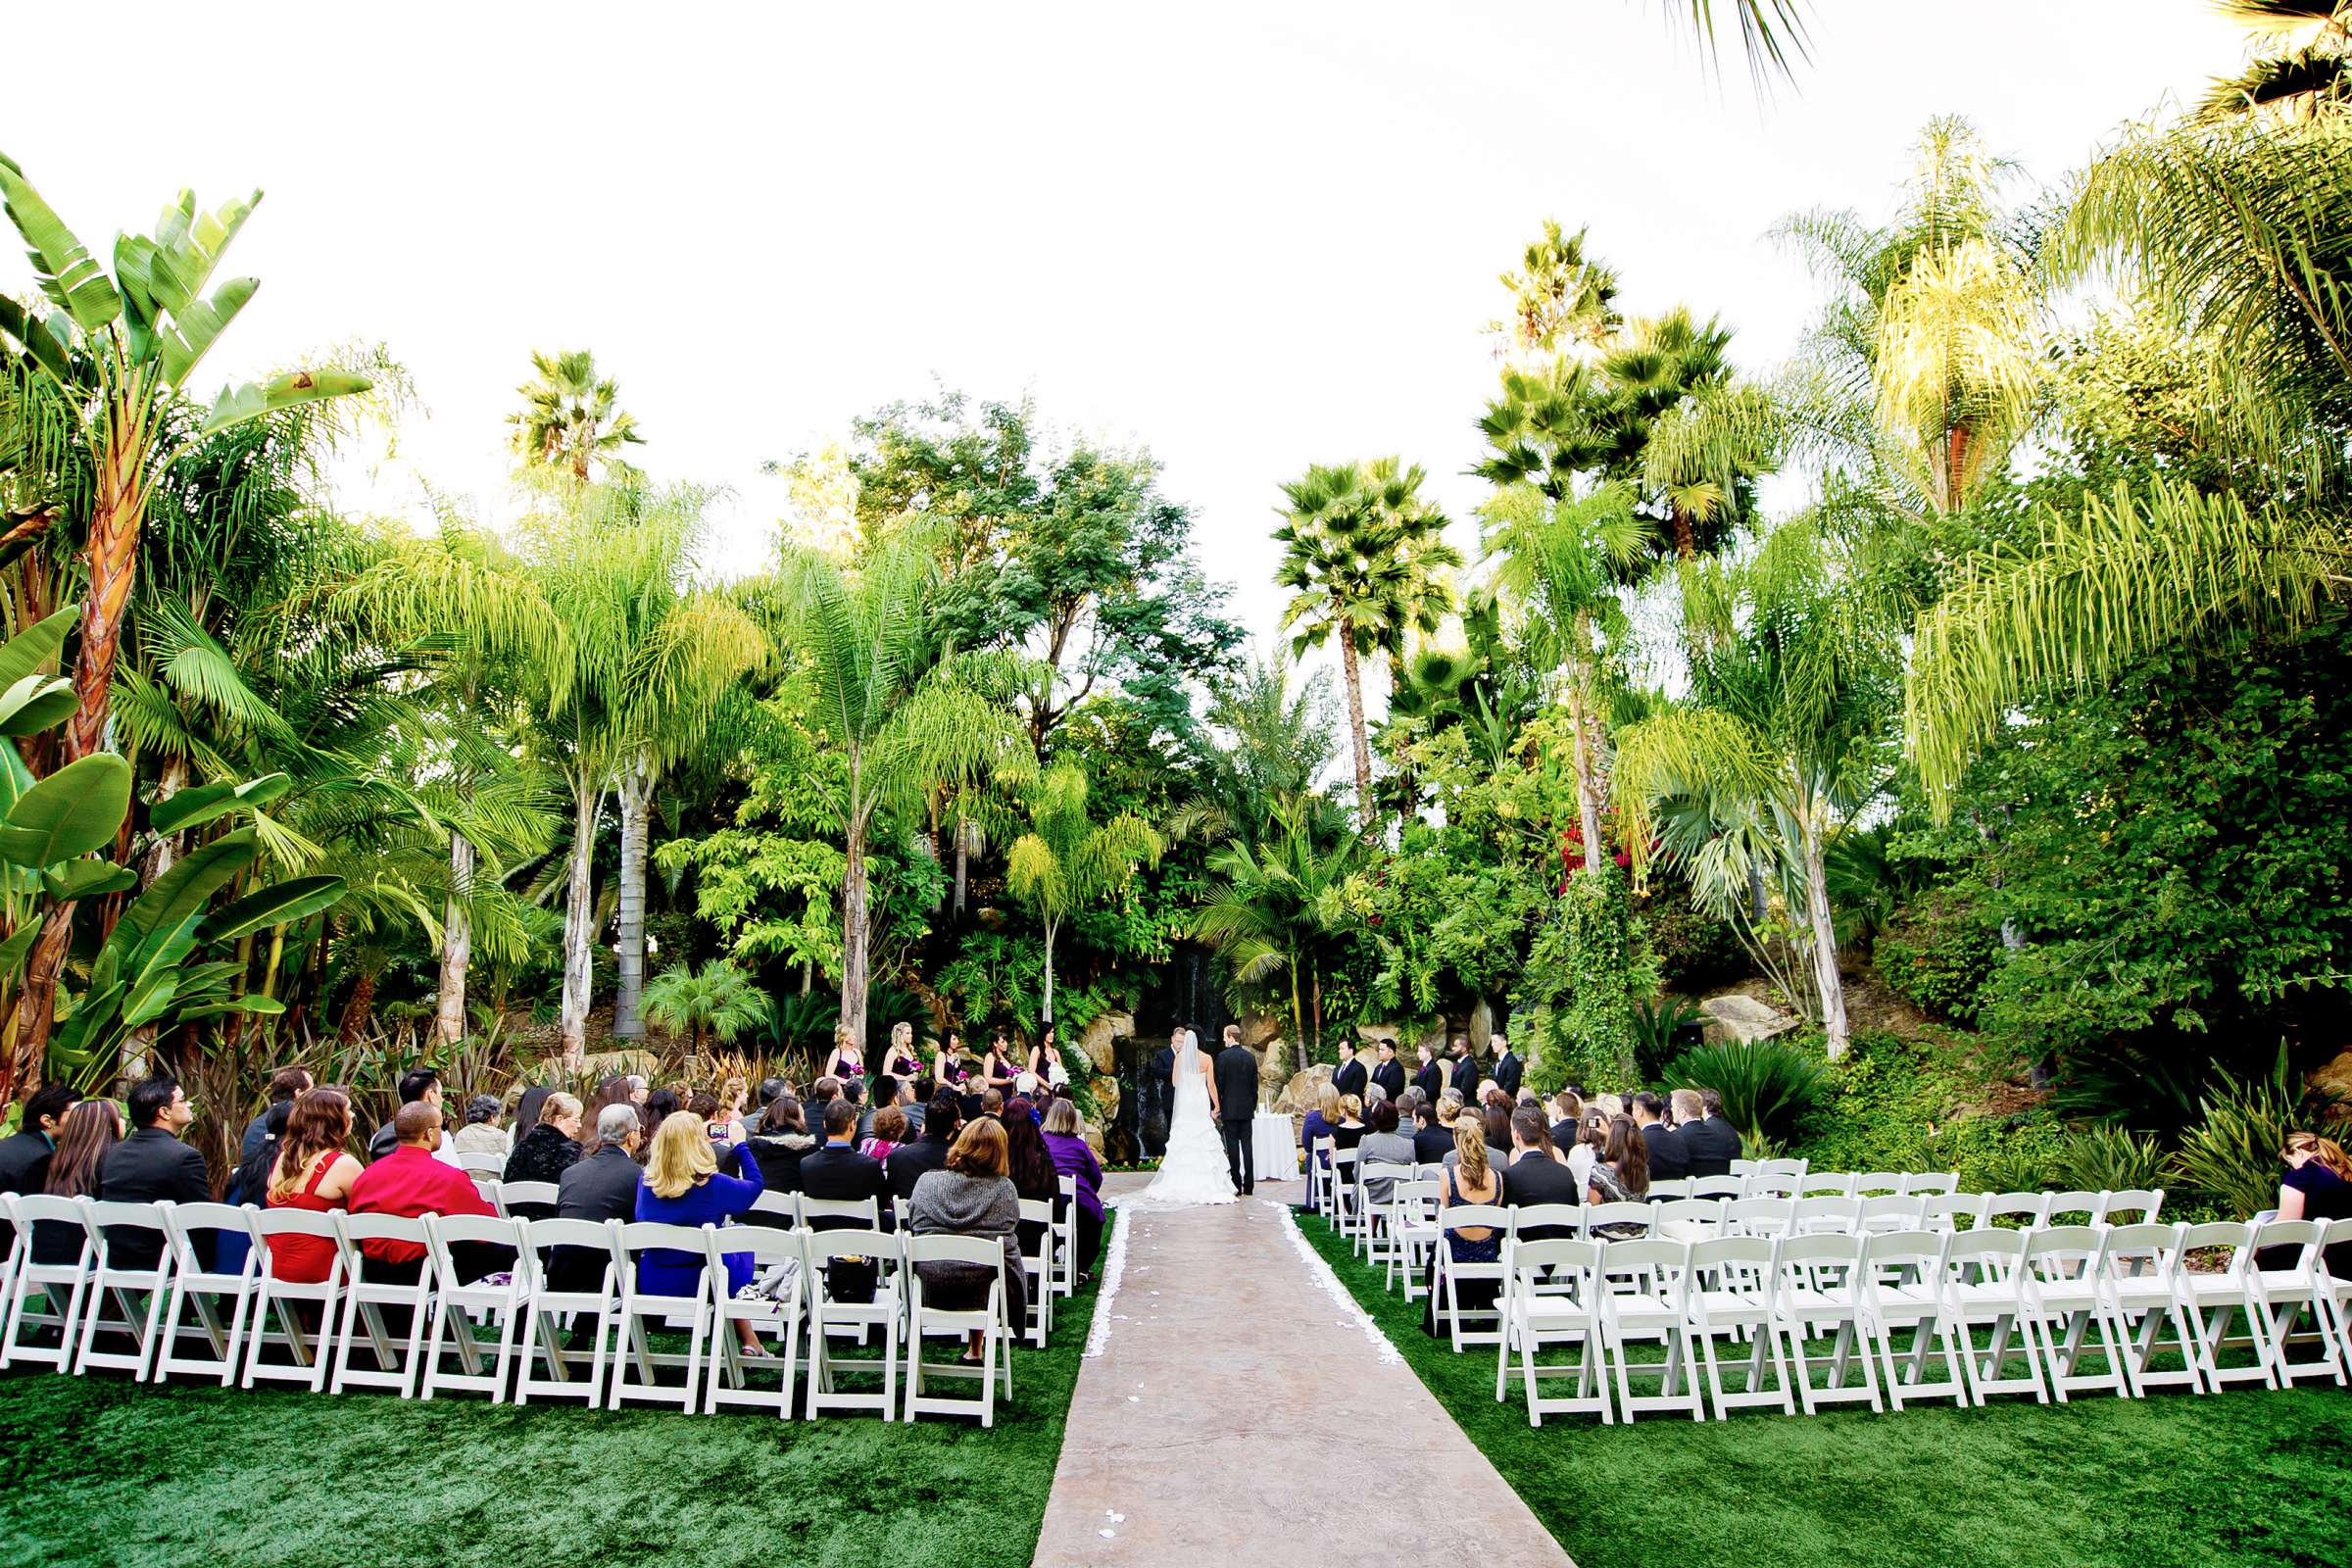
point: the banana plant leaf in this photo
(75, 810)
(13, 951)
(87, 879)
(159, 927)
(193, 807)
(294, 899)
(35, 704)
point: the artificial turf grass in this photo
(2244, 1477)
(96, 1470)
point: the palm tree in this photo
(1067, 861)
(1281, 744)
(1561, 299)
(2300, 76)
(570, 416)
(717, 1000)
(908, 714)
(647, 660)
(1772, 32)
(1277, 904)
(1366, 558)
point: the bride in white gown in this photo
(1193, 1171)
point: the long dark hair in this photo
(1627, 1153)
(614, 1091)
(526, 1109)
(251, 1184)
(319, 1121)
(1028, 1161)
(90, 1129)
(657, 1109)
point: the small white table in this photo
(1274, 1147)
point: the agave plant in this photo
(1655, 1024)
(2232, 1154)
(2111, 1159)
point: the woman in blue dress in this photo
(683, 1185)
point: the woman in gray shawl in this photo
(971, 1196)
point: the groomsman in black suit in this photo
(1712, 1142)
(1349, 1078)
(1465, 1070)
(1508, 1068)
(1390, 1074)
(1431, 1078)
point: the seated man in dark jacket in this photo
(1533, 1175)
(597, 1189)
(907, 1163)
(1433, 1140)
(838, 1172)
(1669, 1159)
(150, 1166)
(1712, 1142)
(24, 1156)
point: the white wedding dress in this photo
(1193, 1171)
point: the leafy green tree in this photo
(716, 1002)
(572, 418)
(1278, 911)
(1067, 861)
(1367, 563)
(905, 715)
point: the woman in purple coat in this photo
(1072, 1158)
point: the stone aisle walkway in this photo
(1232, 1412)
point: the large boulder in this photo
(1301, 1090)
(1101, 1035)
(1736, 1017)
(1258, 1029)
(1105, 1090)
(2332, 1082)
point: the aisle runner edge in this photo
(1323, 1276)
(1098, 1334)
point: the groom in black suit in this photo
(1235, 1074)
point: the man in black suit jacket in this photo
(1159, 1097)
(1234, 1076)
(1534, 1176)
(602, 1187)
(152, 1165)
(1508, 1068)
(1569, 1110)
(1712, 1142)
(1430, 1079)
(1465, 1071)
(1349, 1078)
(1432, 1142)
(943, 1119)
(1390, 1074)
(1669, 1159)
(837, 1172)
(24, 1156)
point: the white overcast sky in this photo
(1248, 237)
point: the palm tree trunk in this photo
(1685, 543)
(1050, 928)
(636, 811)
(1825, 934)
(1588, 776)
(579, 913)
(1357, 740)
(853, 930)
(963, 850)
(457, 943)
(112, 558)
(359, 1009)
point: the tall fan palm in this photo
(570, 416)
(2301, 74)
(908, 714)
(1561, 299)
(1367, 562)
(1067, 861)
(716, 1002)
(647, 657)
(1275, 911)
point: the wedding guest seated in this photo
(1620, 1175)
(1712, 1142)
(412, 1182)
(837, 1172)
(683, 1185)
(1538, 1173)
(1382, 1145)
(418, 1085)
(314, 1170)
(550, 1149)
(1319, 1124)
(251, 1183)
(481, 1134)
(2318, 1187)
(92, 1130)
(601, 1186)
(889, 1132)
(284, 1085)
(1433, 1140)
(971, 1195)
(757, 1116)
(1350, 1129)
(151, 1165)
(943, 1119)
(1493, 1125)
(1065, 1143)
(1669, 1158)
(1468, 1178)
(1030, 1168)
(1568, 1117)
(992, 1102)
(781, 1143)
(657, 1107)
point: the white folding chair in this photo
(2213, 1295)
(2283, 1287)
(479, 1166)
(2134, 1205)
(525, 1200)
(1412, 1228)
(1668, 1189)
(1877, 1184)
(779, 1211)
(1826, 1214)
(1817, 1294)
(1727, 1293)
(638, 1311)
(135, 1293)
(1786, 1169)
(1037, 1216)
(1890, 1211)
(1730, 1188)
(458, 1302)
(1318, 1178)
(1566, 1312)
(1065, 1236)
(1944, 1211)
(2063, 1286)
(1343, 1191)
(925, 1320)
(51, 1296)
(830, 1316)
(397, 1361)
(1645, 1301)
(839, 1214)
(2025, 1211)
(1632, 1220)
(732, 1379)
(1985, 1284)
(1902, 1287)
(1453, 1273)
(206, 1291)
(309, 1345)
(574, 1268)
(1379, 1247)
(1690, 1219)
(1921, 1184)
(1825, 1184)
(2078, 1207)
(1768, 1217)
(2335, 1290)
(2140, 1274)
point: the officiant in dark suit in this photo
(1348, 1079)
(1465, 1070)
(1159, 1097)
(1508, 1068)
(1390, 1074)
(1235, 1074)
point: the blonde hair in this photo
(1061, 1118)
(557, 1104)
(2326, 1150)
(682, 1156)
(1351, 1106)
(1470, 1152)
(1327, 1103)
(901, 1033)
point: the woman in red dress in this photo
(314, 1171)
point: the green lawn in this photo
(94, 1470)
(2244, 1477)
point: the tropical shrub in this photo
(1766, 1086)
(2231, 1155)
(2110, 1159)
(1694, 949)
(716, 1002)
(1655, 1024)
(1937, 955)
(1590, 971)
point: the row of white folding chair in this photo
(325, 1326)
(2052, 1292)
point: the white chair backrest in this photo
(1733, 1186)
(357, 1227)
(1769, 1186)
(1563, 1219)
(856, 1213)
(2144, 1251)
(1732, 1251)
(1707, 1212)
(642, 1236)
(458, 1230)
(1636, 1213)
(2231, 1234)
(530, 1193)
(2029, 1207)
(1826, 1213)
(1567, 1256)
(267, 1222)
(2063, 1254)
(1944, 1211)
(978, 1250)
(783, 1206)
(1994, 1247)
(1825, 1184)
(1475, 1216)
(1878, 1183)
(482, 1164)
(1760, 1216)
(2140, 1204)
(1891, 1212)
(1923, 1247)
(2064, 1208)
(111, 1219)
(184, 1222)
(1672, 1186)
(1935, 1181)
(541, 1237)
